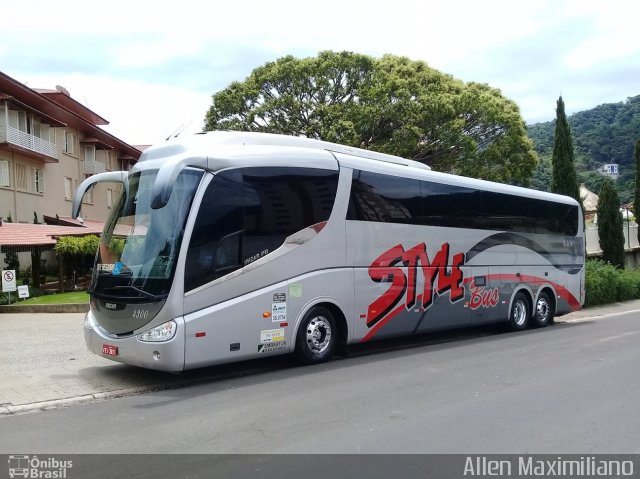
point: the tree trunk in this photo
(35, 267)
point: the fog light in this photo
(156, 355)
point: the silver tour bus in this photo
(226, 246)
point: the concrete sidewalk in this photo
(44, 362)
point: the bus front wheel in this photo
(317, 336)
(519, 315)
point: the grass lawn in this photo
(59, 298)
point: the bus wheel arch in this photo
(545, 308)
(320, 333)
(520, 310)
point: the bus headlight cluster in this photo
(161, 333)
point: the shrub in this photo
(606, 284)
(600, 283)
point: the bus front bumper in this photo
(162, 356)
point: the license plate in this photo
(109, 350)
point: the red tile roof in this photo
(25, 234)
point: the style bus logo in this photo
(389, 267)
(37, 468)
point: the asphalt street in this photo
(573, 388)
(45, 363)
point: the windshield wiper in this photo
(152, 296)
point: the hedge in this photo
(608, 284)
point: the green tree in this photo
(11, 260)
(610, 225)
(75, 253)
(390, 104)
(564, 178)
(636, 200)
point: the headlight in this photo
(161, 333)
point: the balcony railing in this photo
(11, 135)
(91, 167)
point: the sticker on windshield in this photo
(117, 268)
(105, 267)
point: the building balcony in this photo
(22, 142)
(91, 167)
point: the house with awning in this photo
(49, 143)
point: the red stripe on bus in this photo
(382, 322)
(561, 291)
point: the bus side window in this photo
(280, 201)
(214, 249)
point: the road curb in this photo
(45, 308)
(10, 409)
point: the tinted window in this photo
(452, 206)
(246, 214)
(282, 201)
(384, 198)
(391, 199)
(214, 249)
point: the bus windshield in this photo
(139, 246)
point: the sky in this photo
(150, 68)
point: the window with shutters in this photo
(67, 188)
(38, 180)
(21, 177)
(5, 179)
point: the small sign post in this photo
(23, 291)
(9, 281)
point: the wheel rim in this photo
(519, 314)
(318, 334)
(543, 309)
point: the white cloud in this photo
(149, 67)
(138, 112)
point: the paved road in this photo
(570, 388)
(44, 363)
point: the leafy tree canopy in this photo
(77, 245)
(391, 104)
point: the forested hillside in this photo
(604, 134)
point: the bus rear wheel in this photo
(519, 315)
(543, 314)
(317, 336)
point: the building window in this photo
(67, 188)
(109, 198)
(4, 173)
(21, 177)
(88, 196)
(109, 160)
(70, 143)
(38, 180)
(90, 153)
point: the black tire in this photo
(317, 336)
(543, 312)
(520, 313)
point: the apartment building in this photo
(49, 143)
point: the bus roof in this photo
(205, 145)
(212, 138)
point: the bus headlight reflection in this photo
(161, 333)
